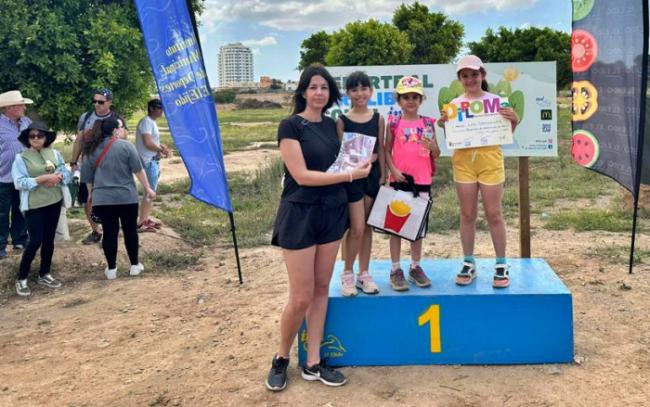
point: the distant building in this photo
(235, 66)
(265, 82)
(291, 86)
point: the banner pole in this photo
(642, 124)
(524, 209)
(234, 239)
(230, 214)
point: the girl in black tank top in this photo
(361, 193)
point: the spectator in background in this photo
(39, 173)
(12, 122)
(147, 143)
(102, 102)
(108, 170)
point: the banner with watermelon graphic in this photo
(609, 60)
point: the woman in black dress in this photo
(311, 219)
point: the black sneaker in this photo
(92, 238)
(325, 374)
(277, 378)
(49, 281)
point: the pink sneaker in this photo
(347, 285)
(366, 283)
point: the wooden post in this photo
(524, 209)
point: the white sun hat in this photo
(13, 97)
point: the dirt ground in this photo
(198, 338)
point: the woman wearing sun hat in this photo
(38, 173)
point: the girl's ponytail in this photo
(484, 85)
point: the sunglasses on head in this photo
(98, 102)
(36, 135)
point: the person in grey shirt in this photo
(102, 102)
(108, 168)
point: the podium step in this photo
(529, 322)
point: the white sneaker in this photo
(110, 274)
(347, 285)
(136, 269)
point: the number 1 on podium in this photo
(432, 316)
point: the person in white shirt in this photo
(147, 143)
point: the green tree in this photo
(57, 51)
(527, 44)
(368, 43)
(314, 49)
(276, 84)
(435, 38)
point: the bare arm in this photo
(340, 128)
(147, 140)
(291, 154)
(142, 177)
(76, 148)
(388, 153)
(511, 115)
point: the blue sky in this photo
(274, 29)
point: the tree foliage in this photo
(368, 43)
(435, 38)
(57, 51)
(314, 49)
(529, 44)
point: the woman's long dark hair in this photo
(90, 145)
(101, 130)
(299, 101)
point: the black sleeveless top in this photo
(320, 146)
(369, 128)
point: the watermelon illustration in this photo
(584, 148)
(584, 50)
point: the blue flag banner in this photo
(178, 69)
(609, 62)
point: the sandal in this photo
(501, 276)
(145, 227)
(467, 274)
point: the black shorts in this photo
(298, 226)
(365, 186)
(82, 195)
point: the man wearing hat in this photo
(147, 142)
(12, 122)
(102, 101)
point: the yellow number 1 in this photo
(432, 316)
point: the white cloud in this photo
(294, 15)
(264, 42)
(469, 6)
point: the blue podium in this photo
(529, 322)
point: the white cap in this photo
(471, 62)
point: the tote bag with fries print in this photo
(400, 213)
